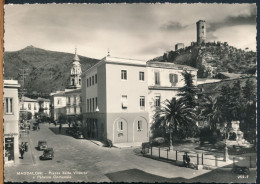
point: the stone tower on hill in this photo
(201, 31)
(75, 73)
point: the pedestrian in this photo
(185, 160)
(22, 149)
(60, 128)
(188, 161)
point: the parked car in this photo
(35, 126)
(240, 169)
(42, 145)
(48, 154)
(79, 135)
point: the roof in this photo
(76, 58)
(26, 99)
(73, 91)
(116, 60)
(43, 99)
(11, 83)
(231, 75)
(159, 64)
(206, 80)
(124, 60)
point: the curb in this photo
(180, 164)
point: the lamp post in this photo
(226, 148)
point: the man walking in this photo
(22, 149)
(60, 128)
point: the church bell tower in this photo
(75, 73)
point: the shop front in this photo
(9, 150)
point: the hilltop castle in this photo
(201, 35)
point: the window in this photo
(87, 105)
(90, 105)
(173, 79)
(202, 27)
(35, 107)
(123, 74)
(87, 82)
(29, 106)
(8, 106)
(142, 102)
(79, 81)
(93, 80)
(80, 109)
(141, 76)
(157, 101)
(139, 125)
(157, 78)
(96, 103)
(124, 102)
(75, 110)
(69, 100)
(120, 126)
(96, 78)
(75, 100)
(93, 103)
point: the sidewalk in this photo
(28, 158)
(128, 145)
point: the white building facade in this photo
(11, 121)
(29, 105)
(119, 96)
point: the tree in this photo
(210, 111)
(173, 115)
(249, 91)
(62, 118)
(187, 93)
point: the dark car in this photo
(48, 154)
(35, 126)
(42, 145)
(79, 135)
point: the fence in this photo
(205, 159)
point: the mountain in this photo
(47, 71)
(211, 58)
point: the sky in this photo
(137, 31)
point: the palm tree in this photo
(211, 111)
(174, 114)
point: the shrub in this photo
(108, 143)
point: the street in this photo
(77, 160)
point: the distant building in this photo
(73, 102)
(201, 31)
(179, 46)
(119, 100)
(69, 101)
(226, 75)
(11, 121)
(44, 105)
(58, 104)
(29, 105)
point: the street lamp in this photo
(226, 148)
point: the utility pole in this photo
(23, 74)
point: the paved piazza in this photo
(78, 160)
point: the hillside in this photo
(47, 70)
(212, 58)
